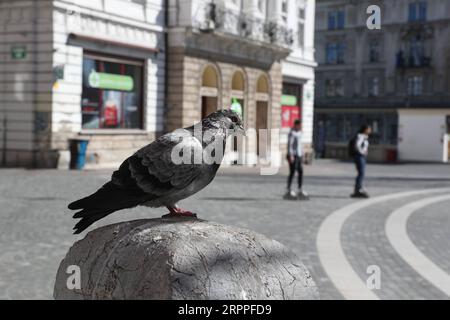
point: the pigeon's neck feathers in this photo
(210, 134)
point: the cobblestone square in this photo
(35, 229)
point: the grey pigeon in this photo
(152, 178)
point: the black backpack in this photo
(352, 151)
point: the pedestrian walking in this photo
(295, 159)
(359, 150)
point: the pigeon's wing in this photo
(171, 162)
(154, 171)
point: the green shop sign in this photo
(288, 100)
(110, 81)
(18, 53)
(236, 107)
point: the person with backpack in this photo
(295, 159)
(358, 150)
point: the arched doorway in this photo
(238, 102)
(209, 91)
(262, 114)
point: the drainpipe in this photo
(166, 63)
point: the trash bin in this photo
(78, 149)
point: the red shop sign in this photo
(288, 115)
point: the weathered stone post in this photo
(182, 259)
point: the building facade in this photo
(396, 79)
(77, 69)
(227, 52)
(119, 73)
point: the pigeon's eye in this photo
(234, 119)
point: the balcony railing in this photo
(213, 18)
(412, 61)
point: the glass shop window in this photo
(112, 95)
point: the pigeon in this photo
(172, 168)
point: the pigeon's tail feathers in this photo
(108, 199)
(109, 196)
(90, 218)
(95, 199)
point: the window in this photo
(112, 93)
(301, 34)
(374, 87)
(374, 50)
(335, 53)
(301, 12)
(416, 54)
(262, 6)
(415, 86)
(301, 25)
(334, 88)
(284, 10)
(417, 11)
(336, 19)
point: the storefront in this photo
(297, 104)
(96, 74)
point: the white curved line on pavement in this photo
(331, 253)
(397, 234)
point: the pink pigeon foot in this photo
(176, 212)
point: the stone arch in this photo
(210, 77)
(210, 89)
(262, 84)
(238, 82)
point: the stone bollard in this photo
(181, 259)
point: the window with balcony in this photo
(415, 86)
(336, 19)
(335, 52)
(415, 51)
(417, 11)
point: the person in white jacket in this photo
(295, 159)
(361, 150)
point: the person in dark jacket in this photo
(361, 150)
(295, 159)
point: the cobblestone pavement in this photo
(35, 227)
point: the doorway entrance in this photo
(262, 117)
(262, 109)
(209, 105)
